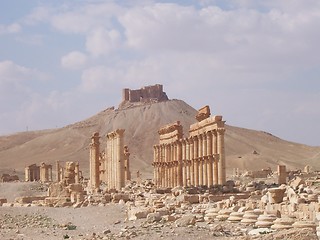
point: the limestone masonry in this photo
(111, 166)
(41, 173)
(198, 160)
(153, 93)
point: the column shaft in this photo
(221, 151)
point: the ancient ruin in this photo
(41, 173)
(188, 195)
(8, 178)
(111, 166)
(153, 93)
(193, 161)
(68, 190)
(62, 173)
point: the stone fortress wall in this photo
(145, 94)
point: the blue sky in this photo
(255, 62)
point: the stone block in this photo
(3, 200)
(185, 221)
(276, 195)
(116, 197)
(138, 213)
(153, 217)
(191, 198)
(296, 182)
(23, 200)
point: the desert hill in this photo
(245, 149)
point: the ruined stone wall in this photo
(145, 94)
(194, 161)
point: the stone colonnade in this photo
(194, 161)
(41, 173)
(115, 171)
(45, 172)
(112, 166)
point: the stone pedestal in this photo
(283, 223)
(265, 220)
(275, 195)
(235, 217)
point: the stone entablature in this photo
(193, 161)
(171, 132)
(146, 94)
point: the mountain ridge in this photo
(246, 149)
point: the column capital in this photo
(221, 131)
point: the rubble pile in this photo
(219, 211)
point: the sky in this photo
(255, 62)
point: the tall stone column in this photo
(114, 168)
(210, 159)
(205, 160)
(221, 151)
(94, 161)
(179, 164)
(168, 160)
(188, 162)
(58, 171)
(108, 160)
(184, 163)
(192, 181)
(155, 168)
(163, 167)
(51, 179)
(120, 158)
(27, 174)
(195, 159)
(127, 173)
(76, 170)
(200, 159)
(215, 157)
(172, 161)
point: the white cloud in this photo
(39, 14)
(11, 28)
(11, 72)
(232, 56)
(99, 79)
(101, 41)
(74, 60)
(81, 19)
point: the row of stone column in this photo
(115, 159)
(194, 161)
(45, 173)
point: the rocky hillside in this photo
(246, 149)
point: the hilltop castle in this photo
(153, 93)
